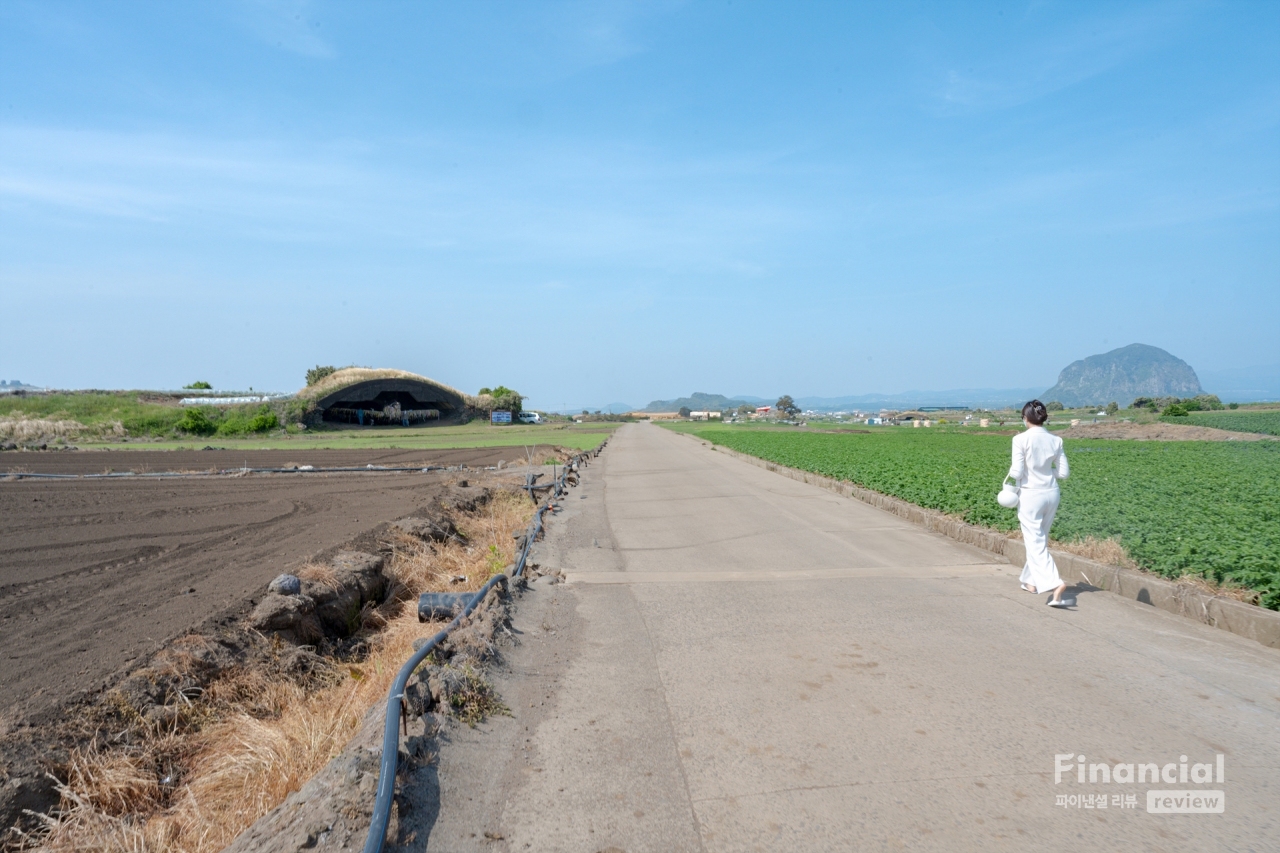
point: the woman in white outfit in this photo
(1038, 465)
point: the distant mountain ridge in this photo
(990, 398)
(1137, 370)
(699, 401)
(984, 398)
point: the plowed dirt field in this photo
(97, 573)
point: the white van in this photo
(529, 418)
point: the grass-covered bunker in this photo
(383, 397)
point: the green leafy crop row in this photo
(1206, 508)
(1244, 420)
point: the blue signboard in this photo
(500, 418)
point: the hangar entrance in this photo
(389, 402)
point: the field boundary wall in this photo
(1246, 620)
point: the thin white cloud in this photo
(1033, 68)
(554, 200)
(291, 25)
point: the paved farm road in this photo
(744, 662)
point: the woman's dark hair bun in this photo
(1035, 412)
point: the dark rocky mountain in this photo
(1137, 370)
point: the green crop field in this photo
(1187, 507)
(1266, 421)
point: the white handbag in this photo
(1008, 497)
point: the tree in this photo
(1209, 402)
(684, 412)
(744, 410)
(1053, 406)
(504, 399)
(319, 372)
(1113, 407)
(198, 386)
(787, 406)
(1142, 403)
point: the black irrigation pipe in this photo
(391, 729)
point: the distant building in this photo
(703, 416)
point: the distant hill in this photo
(985, 398)
(700, 402)
(1121, 375)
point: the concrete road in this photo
(743, 662)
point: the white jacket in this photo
(1036, 454)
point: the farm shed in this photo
(386, 397)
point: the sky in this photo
(616, 201)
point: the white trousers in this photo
(1036, 508)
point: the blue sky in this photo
(594, 202)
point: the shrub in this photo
(296, 411)
(199, 385)
(1208, 402)
(1233, 406)
(501, 398)
(1113, 407)
(196, 422)
(1142, 403)
(1174, 411)
(243, 420)
(319, 372)
(264, 420)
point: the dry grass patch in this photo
(259, 737)
(1110, 552)
(489, 547)
(351, 375)
(319, 573)
(19, 427)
